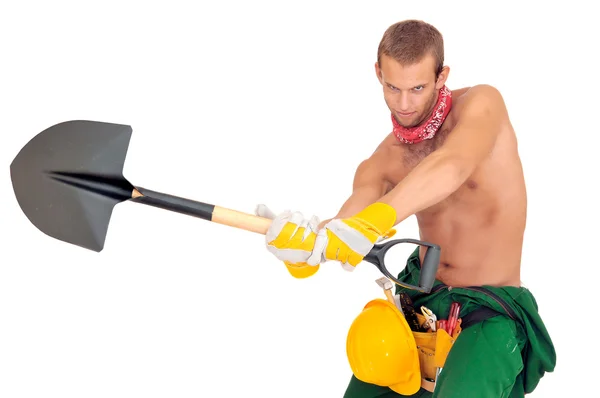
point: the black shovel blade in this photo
(69, 177)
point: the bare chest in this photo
(409, 157)
(412, 155)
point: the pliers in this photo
(430, 318)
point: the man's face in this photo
(410, 91)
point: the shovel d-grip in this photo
(428, 269)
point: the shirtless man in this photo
(452, 161)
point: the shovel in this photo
(68, 178)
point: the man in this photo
(452, 161)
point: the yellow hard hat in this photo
(382, 350)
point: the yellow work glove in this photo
(349, 240)
(291, 238)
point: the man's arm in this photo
(369, 185)
(446, 169)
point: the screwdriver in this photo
(453, 317)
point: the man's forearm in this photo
(360, 198)
(432, 181)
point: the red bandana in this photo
(427, 129)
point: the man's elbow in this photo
(458, 167)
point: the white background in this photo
(179, 307)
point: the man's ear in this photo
(442, 77)
(378, 72)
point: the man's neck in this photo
(428, 127)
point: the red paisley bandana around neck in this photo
(426, 130)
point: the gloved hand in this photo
(291, 238)
(349, 240)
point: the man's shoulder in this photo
(478, 91)
(388, 146)
(386, 155)
(477, 98)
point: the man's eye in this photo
(418, 88)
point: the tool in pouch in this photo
(434, 345)
(431, 318)
(409, 312)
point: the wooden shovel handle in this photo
(206, 211)
(238, 219)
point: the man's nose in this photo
(402, 101)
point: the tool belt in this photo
(387, 347)
(434, 347)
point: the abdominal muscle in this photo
(480, 240)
